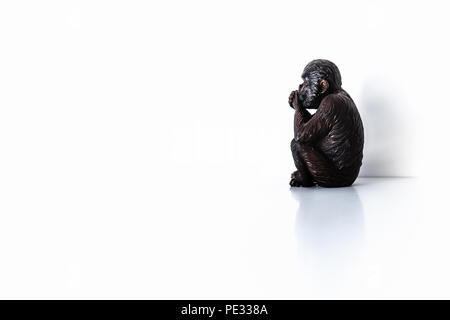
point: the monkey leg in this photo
(323, 171)
(301, 177)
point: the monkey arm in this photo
(315, 128)
(305, 115)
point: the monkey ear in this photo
(323, 86)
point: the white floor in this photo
(372, 240)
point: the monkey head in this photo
(320, 78)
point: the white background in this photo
(144, 146)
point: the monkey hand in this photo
(293, 98)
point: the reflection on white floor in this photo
(372, 240)
(330, 233)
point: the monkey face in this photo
(309, 93)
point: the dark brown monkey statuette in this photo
(328, 146)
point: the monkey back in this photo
(343, 145)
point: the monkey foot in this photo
(296, 181)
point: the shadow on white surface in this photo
(387, 131)
(330, 234)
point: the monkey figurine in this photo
(328, 145)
